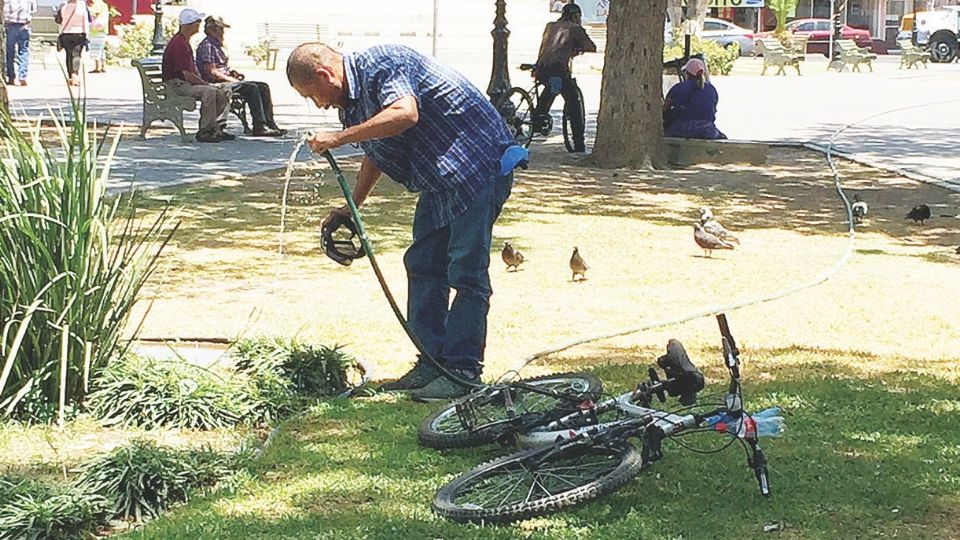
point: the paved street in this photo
(918, 139)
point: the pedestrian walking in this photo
(74, 19)
(17, 16)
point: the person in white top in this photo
(74, 18)
(17, 15)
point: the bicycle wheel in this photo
(516, 108)
(537, 482)
(568, 122)
(443, 429)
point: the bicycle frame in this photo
(652, 425)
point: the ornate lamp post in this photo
(159, 43)
(500, 77)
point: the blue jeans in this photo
(18, 46)
(454, 257)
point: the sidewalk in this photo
(918, 140)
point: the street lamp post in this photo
(500, 77)
(159, 43)
(913, 34)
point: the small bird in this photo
(920, 213)
(578, 266)
(859, 208)
(511, 257)
(707, 241)
(714, 227)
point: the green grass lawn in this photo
(868, 453)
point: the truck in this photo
(939, 30)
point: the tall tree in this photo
(696, 13)
(630, 122)
(4, 99)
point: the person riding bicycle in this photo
(562, 40)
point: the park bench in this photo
(852, 55)
(912, 55)
(161, 104)
(798, 43)
(775, 54)
(684, 152)
(286, 35)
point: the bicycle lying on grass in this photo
(583, 455)
(517, 109)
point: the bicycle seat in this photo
(527, 67)
(687, 379)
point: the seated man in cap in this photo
(181, 75)
(212, 63)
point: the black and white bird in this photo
(859, 208)
(714, 227)
(578, 266)
(919, 214)
(511, 257)
(708, 241)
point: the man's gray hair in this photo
(306, 58)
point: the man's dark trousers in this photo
(571, 102)
(257, 96)
(456, 257)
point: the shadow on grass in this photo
(865, 455)
(793, 191)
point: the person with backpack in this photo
(74, 19)
(690, 108)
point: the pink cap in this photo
(695, 67)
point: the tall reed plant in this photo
(72, 263)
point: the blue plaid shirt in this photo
(452, 152)
(210, 51)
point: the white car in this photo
(725, 33)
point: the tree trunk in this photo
(4, 98)
(675, 13)
(630, 122)
(696, 13)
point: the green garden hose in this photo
(365, 242)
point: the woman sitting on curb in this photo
(690, 108)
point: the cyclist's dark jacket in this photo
(562, 40)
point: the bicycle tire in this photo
(516, 109)
(442, 429)
(568, 141)
(604, 469)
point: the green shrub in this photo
(33, 511)
(143, 479)
(313, 371)
(719, 59)
(151, 393)
(136, 41)
(259, 52)
(72, 263)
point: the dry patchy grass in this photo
(223, 275)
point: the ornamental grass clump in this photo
(72, 263)
(142, 479)
(137, 391)
(312, 370)
(30, 510)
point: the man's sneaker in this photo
(421, 375)
(443, 389)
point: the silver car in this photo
(725, 33)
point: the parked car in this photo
(726, 33)
(819, 31)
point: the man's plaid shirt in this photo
(454, 150)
